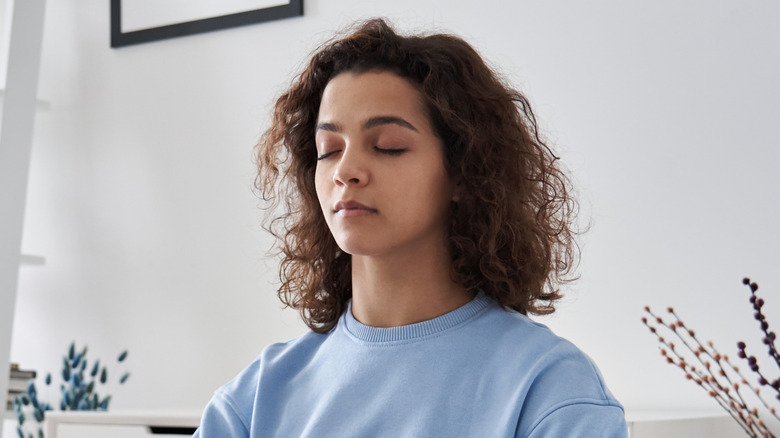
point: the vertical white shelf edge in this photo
(23, 29)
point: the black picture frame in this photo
(120, 39)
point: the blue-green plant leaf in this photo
(25, 399)
(122, 356)
(38, 413)
(95, 368)
(20, 418)
(77, 360)
(19, 431)
(124, 378)
(72, 350)
(48, 379)
(103, 375)
(77, 396)
(104, 403)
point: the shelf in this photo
(682, 425)
(39, 104)
(145, 419)
(32, 260)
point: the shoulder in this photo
(230, 411)
(241, 391)
(558, 379)
(513, 335)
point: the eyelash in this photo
(324, 156)
(391, 152)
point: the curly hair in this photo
(511, 233)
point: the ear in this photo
(457, 189)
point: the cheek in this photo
(438, 186)
(430, 197)
(318, 182)
(321, 188)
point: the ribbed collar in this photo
(414, 331)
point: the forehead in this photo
(356, 97)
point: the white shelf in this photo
(39, 104)
(670, 424)
(55, 419)
(32, 260)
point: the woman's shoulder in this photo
(511, 330)
(242, 388)
(229, 412)
(533, 350)
(558, 367)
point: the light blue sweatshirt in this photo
(478, 371)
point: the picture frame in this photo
(121, 36)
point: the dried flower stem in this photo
(758, 304)
(711, 374)
(712, 353)
(769, 341)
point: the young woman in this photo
(423, 219)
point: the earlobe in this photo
(456, 191)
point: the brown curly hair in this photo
(511, 233)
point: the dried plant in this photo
(79, 391)
(714, 372)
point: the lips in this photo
(352, 209)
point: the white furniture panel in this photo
(672, 425)
(120, 424)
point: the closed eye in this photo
(326, 155)
(392, 152)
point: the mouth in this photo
(352, 209)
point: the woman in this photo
(423, 220)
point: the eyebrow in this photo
(370, 123)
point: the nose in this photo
(351, 169)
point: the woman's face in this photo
(380, 178)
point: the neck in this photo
(391, 292)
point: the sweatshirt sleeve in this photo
(582, 419)
(568, 398)
(221, 419)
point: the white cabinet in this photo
(680, 425)
(120, 424)
(104, 431)
(137, 425)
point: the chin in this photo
(357, 247)
(355, 250)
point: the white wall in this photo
(140, 199)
